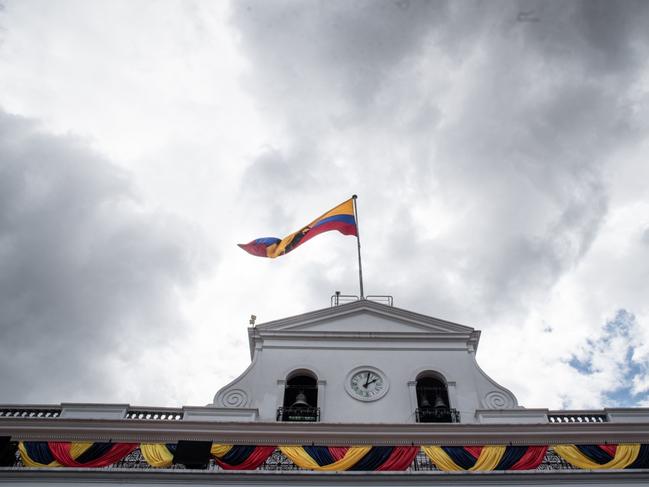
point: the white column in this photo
(321, 399)
(452, 397)
(281, 387)
(412, 394)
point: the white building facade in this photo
(333, 344)
(362, 378)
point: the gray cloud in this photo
(319, 52)
(497, 148)
(88, 281)
(508, 123)
(606, 38)
(481, 142)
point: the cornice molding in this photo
(297, 327)
(353, 339)
(205, 477)
(322, 433)
(417, 319)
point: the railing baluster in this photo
(577, 417)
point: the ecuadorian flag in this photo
(340, 218)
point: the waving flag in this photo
(340, 218)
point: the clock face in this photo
(366, 384)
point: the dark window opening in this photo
(432, 402)
(300, 400)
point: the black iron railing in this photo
(437, 415)
(338, 299)
(298, 414)
(381, 298)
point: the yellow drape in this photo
(78, 447)
(303, 460)
(440, 458)
(488, 459)
(625, 455)
(220, 450)
(76, 450)
(157, 454)
(28, 462)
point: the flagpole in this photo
(358, 241)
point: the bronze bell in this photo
(300, 401)
(439, 402)
(425, 403)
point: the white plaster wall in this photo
(332, 342)
(363, 323)
(332, 360)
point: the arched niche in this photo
(433, 405)
(300, 402)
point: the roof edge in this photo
(360, 305)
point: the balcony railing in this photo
(437, 415)
(30, 412)
(298, 414)
(580, 417)
(162, 414)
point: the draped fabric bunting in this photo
(387, 458)
(359, 458)
(158, 455)
(610, 449)
(319, 457)
(240, 457)
(89, 454)
(338, 452)
(486, 458)
(452, 458)
(522, 457)
(356, 458)
(595, 457)
(643, 458)
(36, 454)
(78, 454)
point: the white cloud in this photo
(500, 164)
(88, 278)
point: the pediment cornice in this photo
(426, 323)
(312, 326)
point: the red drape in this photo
(400, 458)
(338, 452)
(259, 455)
(531, 459)
(474, 451)
(610, 449)
(61, 452)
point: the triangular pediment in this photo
(365, 317)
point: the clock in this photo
(366, 383)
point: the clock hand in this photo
(373, 380)
(367, 380)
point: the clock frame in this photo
(366, 383)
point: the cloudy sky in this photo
(499, 150)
